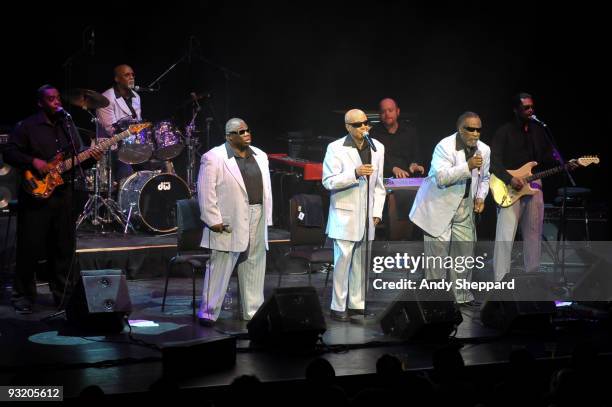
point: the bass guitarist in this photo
(45, 227)
(516, 143)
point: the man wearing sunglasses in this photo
(353, 173)
(455, 189)
(516, 143)
(235, 199)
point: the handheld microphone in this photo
(60, 111)
(144, 89)
(367, 138)
(535, 119)
(227, 228)
(478, 153)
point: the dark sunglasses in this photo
(359, 124)
(472, 129)
(241, 132)
(527, 107)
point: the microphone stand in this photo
(366, 319)
(72, 133)
(561, 234)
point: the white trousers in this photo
(456, 241)
(529, 212)
(251, 272)
(349, 258)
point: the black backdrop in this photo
(296, 63)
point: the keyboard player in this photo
(401, 161)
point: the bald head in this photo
(354, 115)
(124, 76)
(238, 134)
(235, 124)
(356, 123)
(389, 113)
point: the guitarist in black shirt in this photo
(45, 227)
(515, 144)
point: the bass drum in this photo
(152, 197)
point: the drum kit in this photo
(146, 200)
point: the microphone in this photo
(61, 112)
(144, 89)
(478, 153)
(535, 119)
(367, 138)
(227, 228)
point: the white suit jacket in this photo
(223, 199)
(441, 192)
(117, 109)
(347, 206)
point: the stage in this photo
(51, 352)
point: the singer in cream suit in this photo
(350, 166)
(235, 197)
(455, 189)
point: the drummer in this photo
(124, 106)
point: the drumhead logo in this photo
(164, 186)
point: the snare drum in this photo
(152, 197)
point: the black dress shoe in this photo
(206, 322)
(356, 311)
(341, 316)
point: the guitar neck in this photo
(66, 165)
(546, 173)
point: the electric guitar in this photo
(505, 196)
(43, 187)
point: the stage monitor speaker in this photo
(291, 318)
(528, 307)
(196, 357)
(594, 287)
(422, 315)
(100, 301)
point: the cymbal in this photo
(193, 97)
(86, 98)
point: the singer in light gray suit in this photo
(353, 173)
(455, 189)
(235, 199)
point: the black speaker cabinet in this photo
(291, 317)
(529, 307)
(422, 315)
(100, 301)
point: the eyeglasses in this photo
(241, 132)
(472, 129)
(359, 124)
(527, 107)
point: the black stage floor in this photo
(50, 352)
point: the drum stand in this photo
(91, 210)
(192, 146)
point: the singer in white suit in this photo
(353, 173)
(455, 189)
(235, 197)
